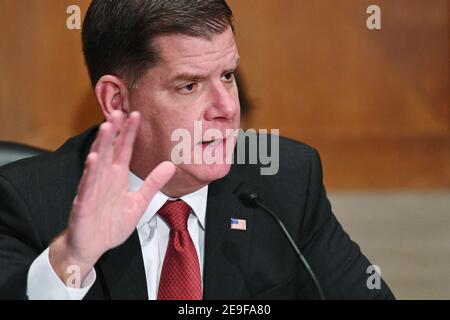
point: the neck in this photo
(180, 185)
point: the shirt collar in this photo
(196, 200)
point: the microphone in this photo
(251, 199)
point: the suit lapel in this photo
(226, 251)
(123, 271)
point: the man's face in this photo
(193, 81)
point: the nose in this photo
(223, 102)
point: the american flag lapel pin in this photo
(238, 224)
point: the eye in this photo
(228, 77)
(188, 88)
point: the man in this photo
(109, 216)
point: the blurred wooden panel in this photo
(45, 95)
(375, 103)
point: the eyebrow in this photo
(186, 76)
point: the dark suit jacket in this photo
(36, 196)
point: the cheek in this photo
(164, 113)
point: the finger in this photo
(117, 118)
(125, 142)
(87, 183)
(157, 179)
(111, 128)
(101, 136)
(104, 132)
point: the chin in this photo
(206, 174)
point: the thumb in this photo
(157, 179)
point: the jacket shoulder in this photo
(48, 172)
(71, 154)
(283, 155)
(289, 146)
(287, 168)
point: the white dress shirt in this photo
(43, 283)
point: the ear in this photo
(112, 94)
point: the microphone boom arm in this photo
(251, 199)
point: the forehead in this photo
(180, 50)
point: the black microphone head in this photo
(248, 198)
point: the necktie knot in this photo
(176, 214)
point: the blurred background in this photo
(375, 103)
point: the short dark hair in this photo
(118, 35)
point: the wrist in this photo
(68, 264)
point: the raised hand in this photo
(105, 213)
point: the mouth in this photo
(216, 142)
(219, 141)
